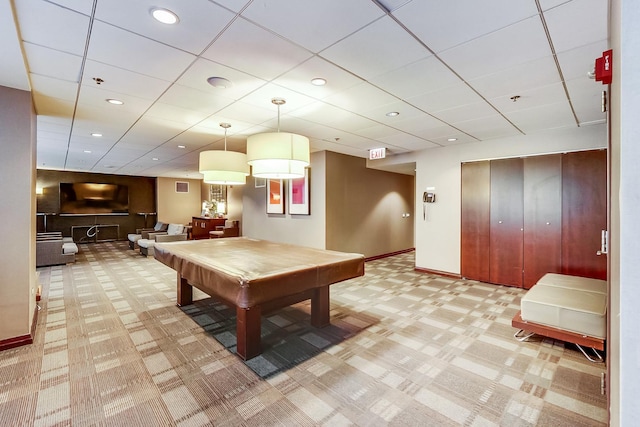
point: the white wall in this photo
(18, 213)
(178, 208)
(624, 346)
(438, 236)
(303, 230)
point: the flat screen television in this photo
(86, 198)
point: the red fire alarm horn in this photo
(604, 67)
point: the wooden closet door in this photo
(506, 227)
(474, 238)
(584, 213)
(542, 217)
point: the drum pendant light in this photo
(224, 167)
(278, 155)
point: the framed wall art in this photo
(299, 202)
(275, 196)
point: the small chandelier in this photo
(278, 155)
(224, 167)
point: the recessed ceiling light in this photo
(164, 15)
(114, 101)
(393, 114)
(155, 158)
(96, 134)
(219, 82)
(87, 151)
(182, 146)
(318, 81)
(452, 139)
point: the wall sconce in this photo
(39, 190)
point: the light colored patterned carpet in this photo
(404, 348)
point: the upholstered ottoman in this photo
(566, 308)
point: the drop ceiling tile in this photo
(262, 98)
(264, 54)
(576, 63)
(53, 63)
(235, 5)
(377, 49)
(322, 145)
(299, 79)
(111, 123)
(13, 72)
(459, 138)
(549, 116)
(333, 117)
(444, 99)
(419, 125)
(313, 25)
(200, 21)
(197, 74)
(444, 132)
(514, 80)
(52, 26)
(82, 6)
(196, 100)
(377, 131)
(587, 23)
(241, 116)
(176, 114)
(544, 95)
(516, 44)
(54, 88)
(96, 96)
(119, 80)
(196, 137)
(466, 112)
(406, 142)
(379, 113)
(153, 131)
(488, 127)
(142, 55)
(49, 106)
(442, 25)
(362, 97)
(423, 76)
(550, 4)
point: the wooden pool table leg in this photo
(185, 292)
(320, 307)
(248, 332)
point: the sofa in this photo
(230, 229)
(174, 233)
(143, 233)
(53, 249)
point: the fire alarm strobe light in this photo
(604, 67)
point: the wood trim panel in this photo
(542, 217)
(475, 205)
(584, 213)
(506, 222)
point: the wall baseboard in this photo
(8, 343)
(438, 272)
(404, 251)
(16, 342)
